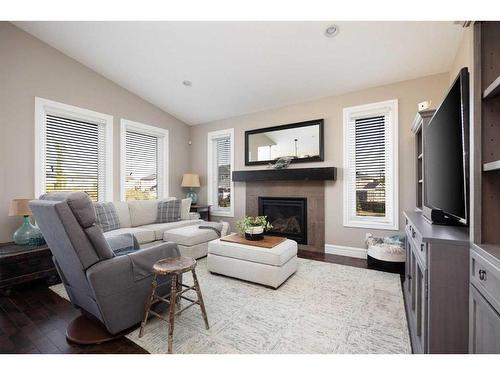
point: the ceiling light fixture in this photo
(331, 31)
(187, 83)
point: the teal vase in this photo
(194, 197)
(28, 234)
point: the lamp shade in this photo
(19, 207)
(190, 180)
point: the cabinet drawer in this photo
(485, 276)
(9, 270)
(420, 247)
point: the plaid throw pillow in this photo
(107, 217)
(169, 211)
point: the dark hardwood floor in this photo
(330, 258)
(33, 319)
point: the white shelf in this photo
(491, 166)
(493, 89)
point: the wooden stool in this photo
(173, 267)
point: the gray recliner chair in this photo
(111, 288)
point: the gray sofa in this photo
(111, 288)
(139, 219)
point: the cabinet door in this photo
(410, 276)
(413, 281)
(408, 267)
(420, 305)
(484, 335)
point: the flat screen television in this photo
(446, 157)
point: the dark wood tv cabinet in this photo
(436, 285)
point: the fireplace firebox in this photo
(288, 217)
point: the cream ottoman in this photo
(191, 240)
(260, 265)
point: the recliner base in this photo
(85, 330)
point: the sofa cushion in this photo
(101, 246)
(143, 235)
(123, 214)
(169, 211)
(185, 208)
(189, 236)
(160, 228)
(79, 203)
(107, 218)
(143, 212)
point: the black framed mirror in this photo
(302, 141)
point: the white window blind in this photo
(220, 165)
(370, 166)
(75, 156)
(142, 163)
(223, 149)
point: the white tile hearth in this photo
(323, 308)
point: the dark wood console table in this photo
(20, 264)
(203, 210)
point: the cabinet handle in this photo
(421, 247)
(482, 275)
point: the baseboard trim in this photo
(354, 252)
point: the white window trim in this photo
(210, 172)
(161, 133)
(44, 107)
(391, 221)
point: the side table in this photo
(203, 210)
(20, 264)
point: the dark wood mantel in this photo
(290, 174)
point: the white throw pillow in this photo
(185, 207)
(143, 212)
(123, 214)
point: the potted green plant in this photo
(253, 227)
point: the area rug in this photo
(323, 308)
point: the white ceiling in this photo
(243, 67)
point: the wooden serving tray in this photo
(268, 242)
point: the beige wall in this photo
(464, 56)
(29, 68)
(409, 93)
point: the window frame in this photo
(391, 220)
(211, 176)
(163, 164)
(46, 106)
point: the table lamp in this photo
(191, 180)
(27, 234)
